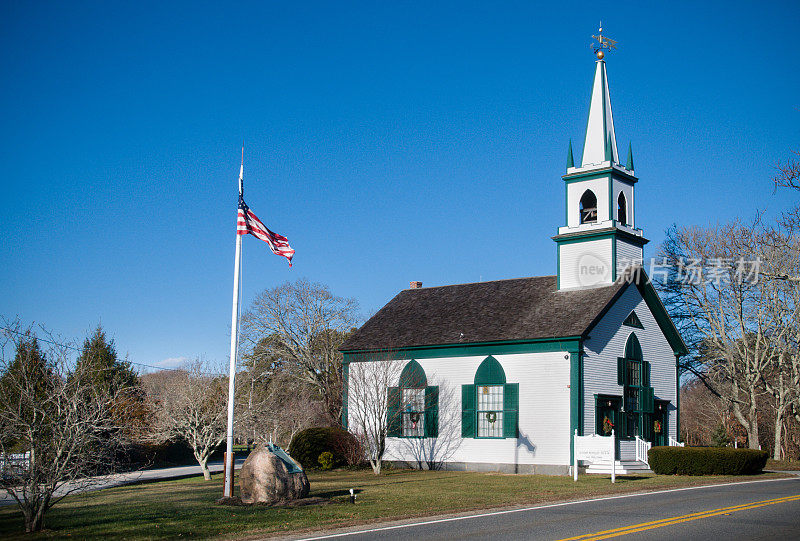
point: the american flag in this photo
(247, 222)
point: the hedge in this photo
(706, 461)
(307, 445)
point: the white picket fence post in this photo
(575, 457)
(613, 457)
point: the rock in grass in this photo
(270, 476)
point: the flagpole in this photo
(228, 490)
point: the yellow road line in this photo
(676, 520)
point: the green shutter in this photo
(621, 372)
(432, 411)
(510, 409)
(393, 429)
(645, 374)
(467, 411)
(647, 427)
(646, 399)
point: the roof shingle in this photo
(516, 309)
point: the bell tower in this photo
(599, 239)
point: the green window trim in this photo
(413, 375)
(633, 321)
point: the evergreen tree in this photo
(720, 437)
(108, 374)
(25, 385)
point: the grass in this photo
(783, 465)
(185, 508)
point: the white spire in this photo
(601, 143)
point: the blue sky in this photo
(388, 141)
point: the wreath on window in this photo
(414, 418)
(657, 427)
(491, 416)
(608, 426)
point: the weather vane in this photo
(602, 43)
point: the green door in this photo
(659, 420)
(608, 417)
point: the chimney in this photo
(415, 285)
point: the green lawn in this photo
(185, 508)
(783, 465)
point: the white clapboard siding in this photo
(543, 411)
(607, 342)
(575, 190)
(627, 254)
(583, 264)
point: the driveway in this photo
(127, 478)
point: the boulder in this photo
(270, 476)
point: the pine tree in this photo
(25, 385)
(720, 437)
(109, 376)
(108, 373)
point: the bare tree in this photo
(789, 173)
(305, 324)
(780, 256)
(63, 428)
(701, 413)
(729, 317)
(188, 405)
(367, 404)
(275, 406)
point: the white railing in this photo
(642, 447)
(675, 443)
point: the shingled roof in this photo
(517, 309)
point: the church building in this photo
(498, 376)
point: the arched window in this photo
(633, 373)
(633, 350)
(588, 207)
(413, 406)
(622, 209)
(490, 407)
(412, 400)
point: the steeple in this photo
(601, 142)
(599, 239)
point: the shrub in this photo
(307, 445)
(706, 461)
(326, 460)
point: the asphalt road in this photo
(751, 510)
